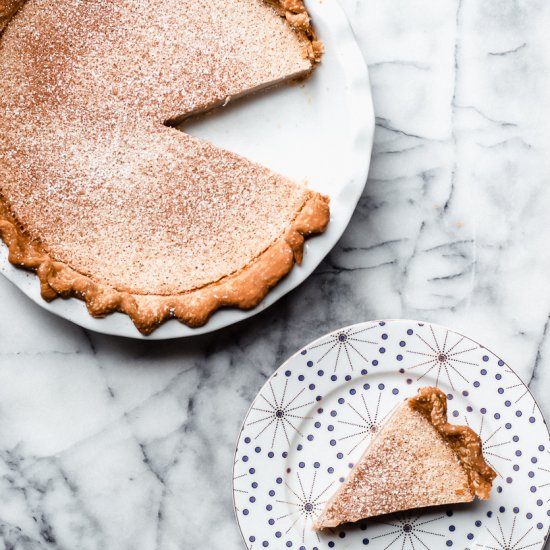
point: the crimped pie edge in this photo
(244, 289)
(466, 444)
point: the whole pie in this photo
(102, 197)
(417, 459)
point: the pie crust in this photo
(465, 443)
(243, 288)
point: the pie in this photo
(102, 197)
(417, 459)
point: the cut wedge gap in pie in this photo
(416, 460)
(106, 201)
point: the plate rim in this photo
(118, 324)
(346, 327)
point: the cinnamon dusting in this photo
(67, 245)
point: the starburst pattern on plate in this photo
(364, 422)
(492, 446)
(342, 343)
(513, 541)
(546, 484)
(281, 414)
(518, 387)
(237, 482)
(410, 531)
(442, 357)
(305, 506)
(344, 408)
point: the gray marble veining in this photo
(116, 444)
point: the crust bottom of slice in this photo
(244, 289)
(330, 523)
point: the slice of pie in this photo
(416, 459)
(102, 197)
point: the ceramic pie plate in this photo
(314, 417)
(319, 131)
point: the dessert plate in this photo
(318, 131)
(314, 417)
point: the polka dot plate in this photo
(314, 417)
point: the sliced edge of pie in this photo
(416, 459)
(244, 288)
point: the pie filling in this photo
(105, 201)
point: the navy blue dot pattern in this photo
(313, 419)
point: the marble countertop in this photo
(108, 443)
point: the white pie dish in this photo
(318, 131)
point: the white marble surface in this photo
(120, 445)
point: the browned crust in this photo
(8, 8)
(298, 17)
(243, 289)
(466, 444)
